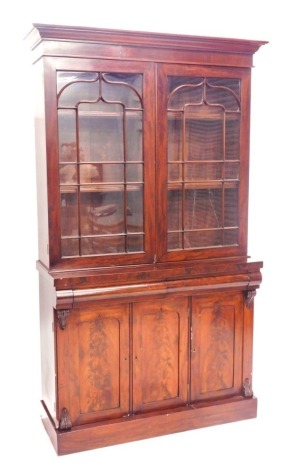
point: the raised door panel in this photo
(160, 338)
(216, 348)
(93, 364)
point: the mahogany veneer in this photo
(146, 290)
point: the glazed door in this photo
(102, 154)
(202, 151)
(160, 358)
(216, 346)
(93, 364)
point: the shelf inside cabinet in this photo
(179, 186)
(101, 188)
(177, 114)
(129, 112)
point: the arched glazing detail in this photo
(203, 162)
(100, 132)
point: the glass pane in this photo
(134, 243)
(133, 130)
(102, 245)
(231, 237)
(133, 80)
(223, 91)
(231, 207)
(175, 241)
(175, 129)
(90, 173)
(78, 91)
(204, 135)
(101, 132)
(70, 247)
(68, 174)
(232, 84)
(66, 78)
(203, 171)
(86, 214)
(122, 87)
(69, 211)
(102, 173)
(231, 171)
(134, 212)
(175, 172)
(232, 137)
(134, 173)
(102, 213)
(67, 136)
(203, 208)
(175, 210)
(203, 238)
(183, 90)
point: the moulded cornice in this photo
(41, 32)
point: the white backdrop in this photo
(24, 443)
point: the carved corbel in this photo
(217, 308)
(247, 391)
(250, 294)
(62, 316)
(65, 422)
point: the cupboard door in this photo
(93, 364)
(160, 339)
(216, 346)
(203, 152)
(105, 160)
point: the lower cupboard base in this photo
(148, 425)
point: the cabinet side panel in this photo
(48, 363)
(248, 344)
(41, 164)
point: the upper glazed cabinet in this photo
(110, 123)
